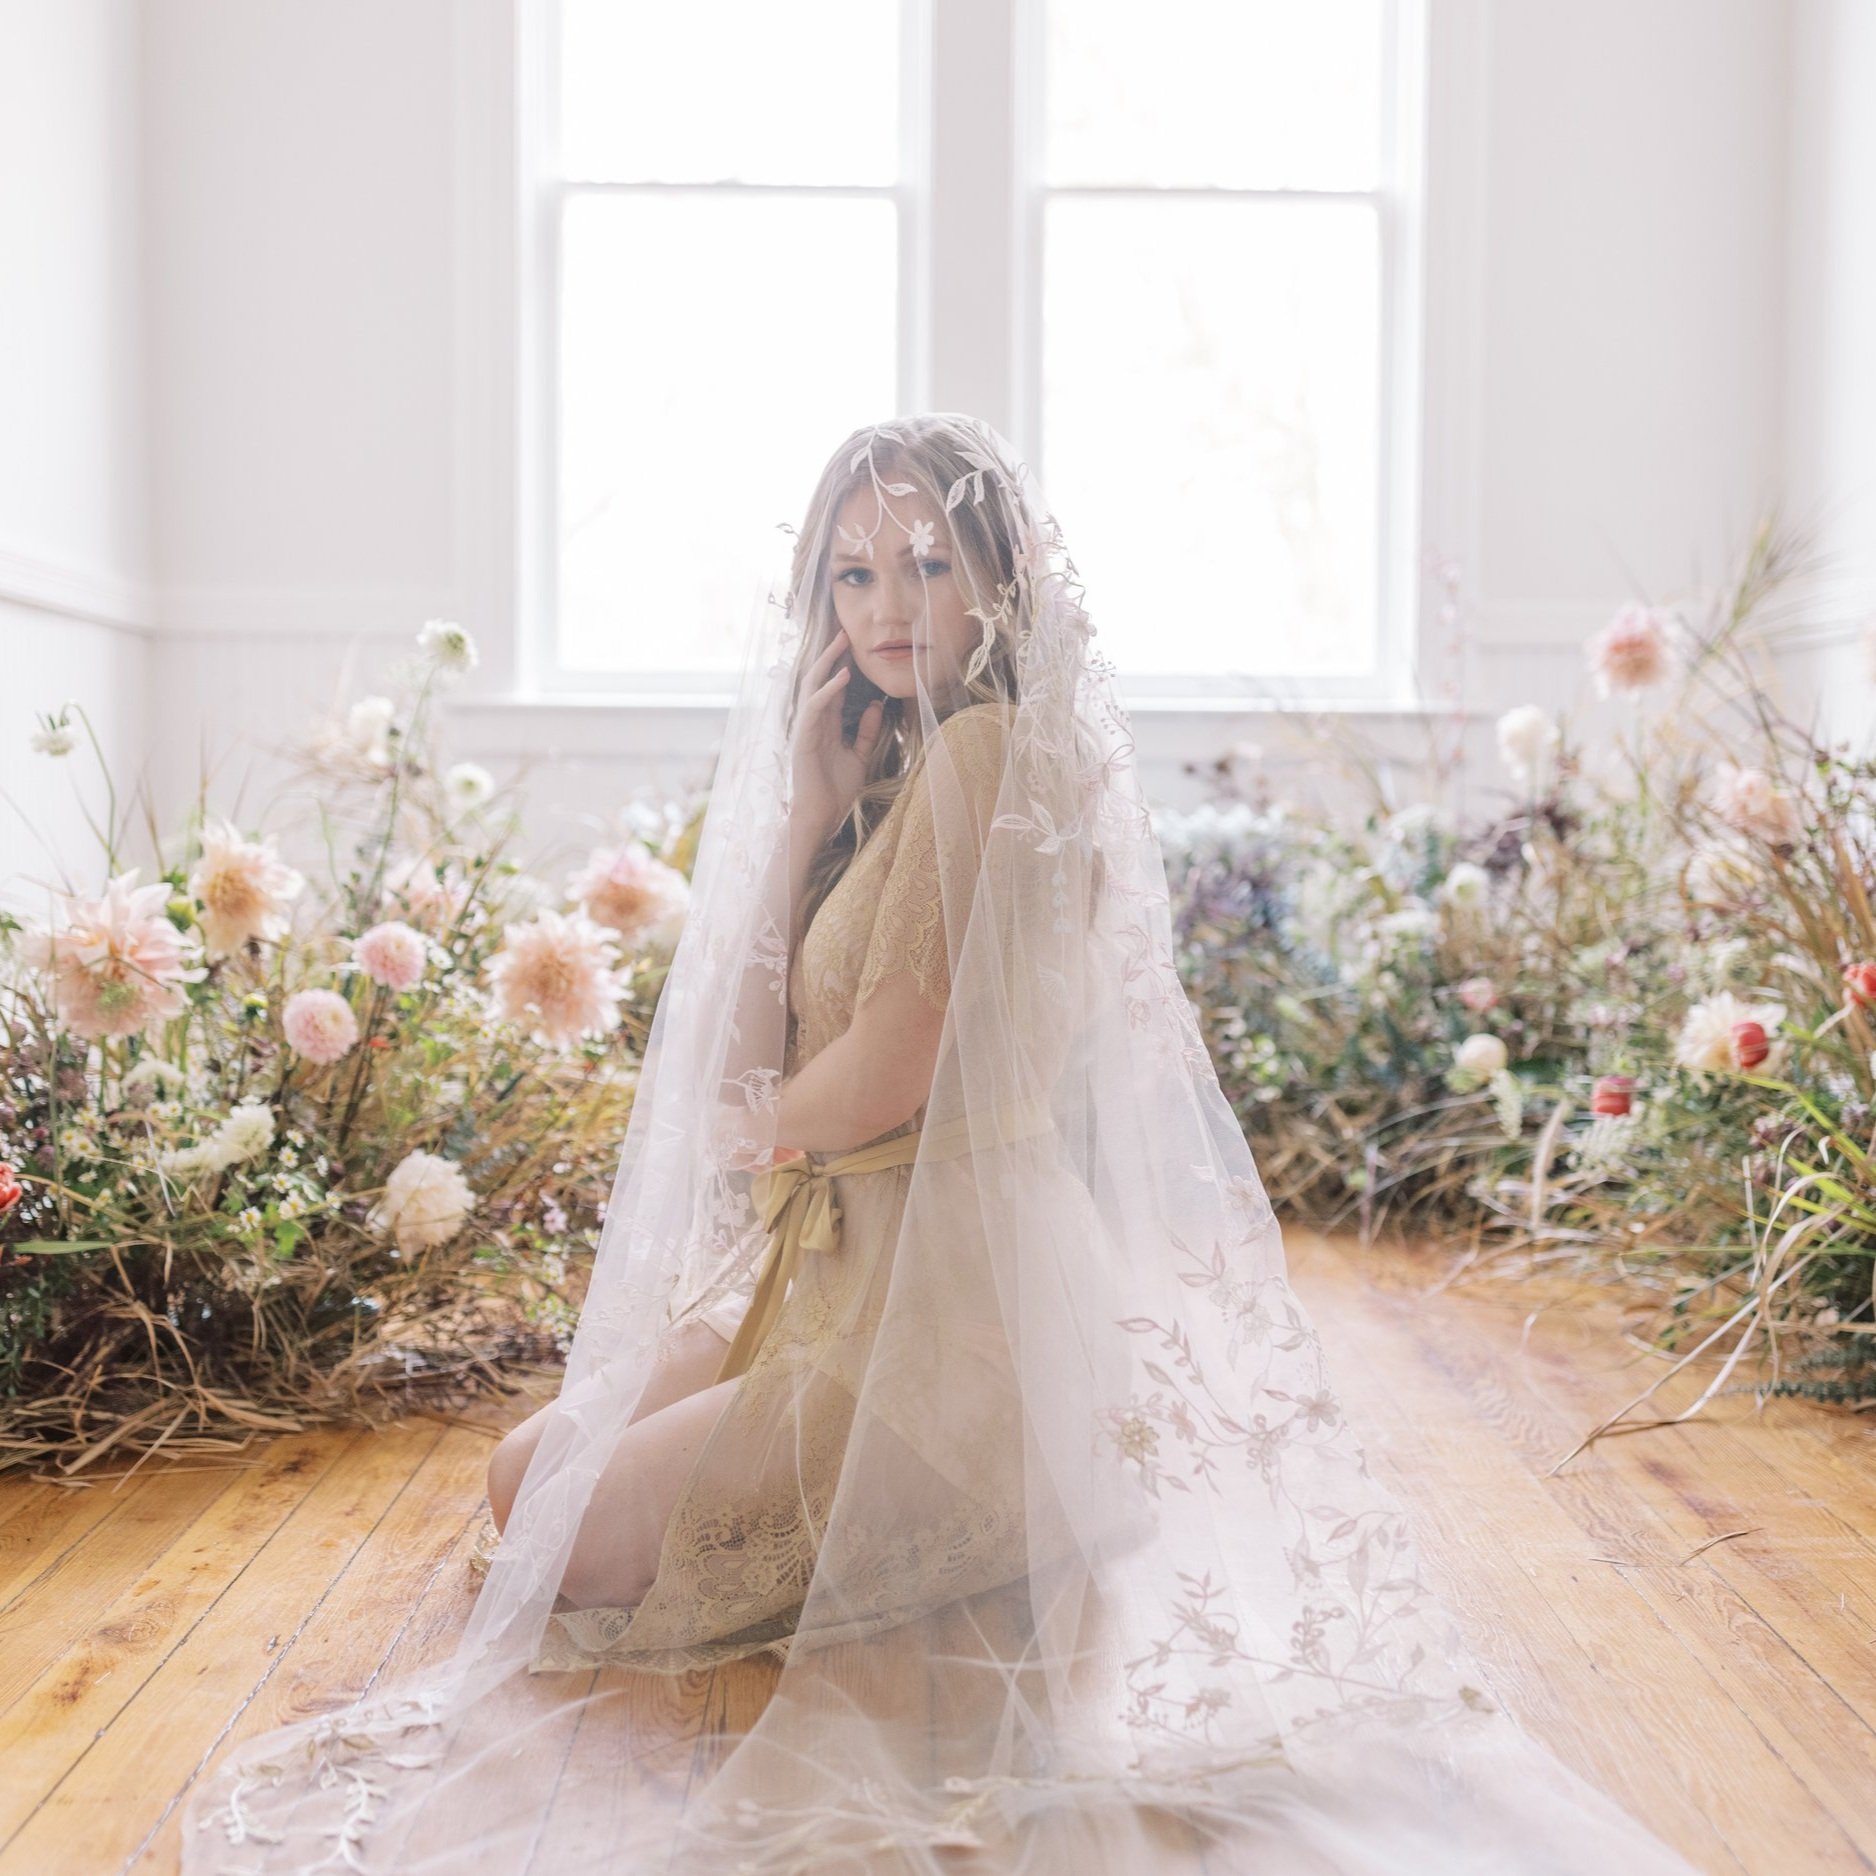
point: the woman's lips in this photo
(892, 651)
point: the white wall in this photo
(1831, 389)
(331, 442)
(74, 524)
(1630, 368)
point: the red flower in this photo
(378, 1042)
(1613, 1094)
(11, 1191)
(1750, 1047)
(1860, 981)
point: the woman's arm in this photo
(879, 1073)
(869, 1079)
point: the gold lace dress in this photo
(744, 1536)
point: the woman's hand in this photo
(743, 1141)
(828, 773)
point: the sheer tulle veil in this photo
(1097, 1578)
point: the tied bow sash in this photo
(794, 1199)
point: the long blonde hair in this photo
(933, 451)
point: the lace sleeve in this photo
(929, 885)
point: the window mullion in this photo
(973, 237)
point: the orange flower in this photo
(1860, 981)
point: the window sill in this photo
(685, 727)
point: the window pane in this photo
(1264, 94)
(1228, 351)
(738, 90)
(714, 350)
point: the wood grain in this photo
(1727, 1698)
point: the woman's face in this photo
(902, 604)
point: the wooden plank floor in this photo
(1726, 1697)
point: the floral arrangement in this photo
(1627, 1026)
(269, 1153)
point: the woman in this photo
(866, 1003)
(939, 1345)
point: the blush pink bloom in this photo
(243, 887)
(632, 892)
(428, 900)
(1631, 651)
(1479, 994)
(392, 954)
(117, 964)
(555, 976)
(1751, 801)
(319, 1025)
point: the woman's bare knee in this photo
(508, 1464)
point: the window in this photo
(1189, 305)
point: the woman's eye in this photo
(866, 572)
(932, 568)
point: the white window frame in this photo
(970, 201)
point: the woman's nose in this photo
(901, 598)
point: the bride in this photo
(939, 1354)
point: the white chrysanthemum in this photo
(1705, 1043)
(1482, 1055)
(1418, 821)
(1526, 740)
(246, 1133)
(242, 887)
(1413, 924)
(448, 646)
(468, 785)
(151, 1071)
(55, 736)
(368, 729)
(1467, 887)
(426, 1202)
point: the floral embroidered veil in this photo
(1098, 1579)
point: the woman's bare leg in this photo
(615, 1554)
(687, 1362)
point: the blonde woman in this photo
(939, 1361)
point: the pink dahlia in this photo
(1631, 651)
(319, 1025)
(243, 887)
(555, 975)
(632, 892)
(428, 900)
(1751, 801)
(117, 964)
(392, 954)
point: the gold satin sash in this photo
(795, 1201)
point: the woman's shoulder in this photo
(977, 732)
